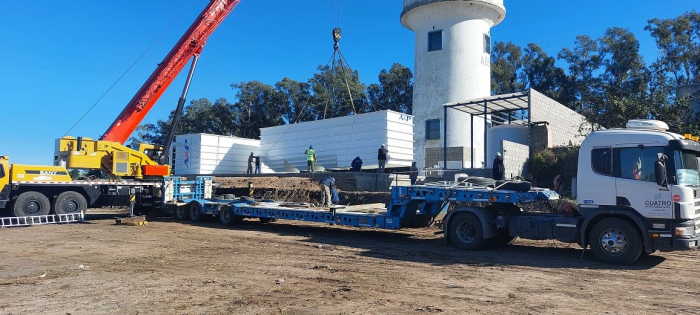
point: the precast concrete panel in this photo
(337, 141)
(209, 154)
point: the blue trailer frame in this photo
(407, 202)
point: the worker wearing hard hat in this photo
(310, 158)
(499, 170)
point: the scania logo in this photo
(48, 172)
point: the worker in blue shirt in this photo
(326, 185)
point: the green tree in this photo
(678, 40)
(330, 89)
(394, 91)
(506, 64)
(258, 106)
(583, 61)
(298, 102)
(541, 74)
(200, 116)
(623, 83)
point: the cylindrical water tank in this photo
(495, 135)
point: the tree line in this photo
(332, 91)
(605, 79)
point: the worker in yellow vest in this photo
(310, 158)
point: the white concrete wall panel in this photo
(337, 141)
(213, 154)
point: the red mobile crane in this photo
(109, 153)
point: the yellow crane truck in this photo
(34, 190)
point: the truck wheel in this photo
(69, 202)
(195, 211)
(226, 216)
(181, 213)
(267, 220)
(615, 241)
(31, 203)
(466, 232)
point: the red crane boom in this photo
(189, 45)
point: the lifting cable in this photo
(131, 66)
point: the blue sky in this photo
(59, 57)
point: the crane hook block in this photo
(336, 34)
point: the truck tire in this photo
(195, 210)
(227, 217)
(181, 213)
(466, 232)
(69, 202)
(31, 203)
(615, 241)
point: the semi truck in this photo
(636, 189)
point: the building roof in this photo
(493, 104)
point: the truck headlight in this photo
(685, 231)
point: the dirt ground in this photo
(168, 267)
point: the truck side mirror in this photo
(2, 171)
(660, 172)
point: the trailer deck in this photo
(407, 205)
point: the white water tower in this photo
(452, 64)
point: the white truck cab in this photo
(645, 174)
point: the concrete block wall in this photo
(515, 156)
(565, 125)
(455, 155)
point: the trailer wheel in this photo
(69, 202)
(227, 217)
(195, 211)
(466, 231)
(31, 203)
(267, 220)
(181, 213)
(615, 241)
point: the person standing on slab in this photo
(381, 157)
(413, 173)
(499, 170)
(310, 159)
(250, 164)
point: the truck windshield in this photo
(687, 167)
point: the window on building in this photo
(487, 43)
(435, 40)
(432, 129)
(636, 163)
(601, 161)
